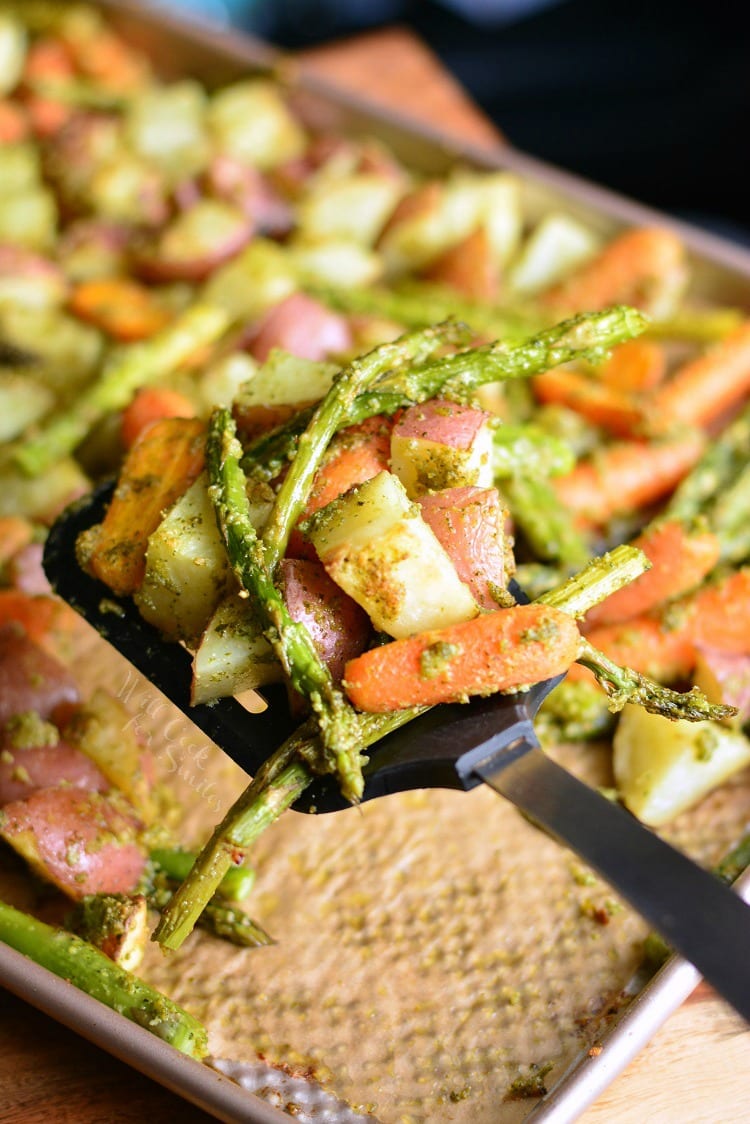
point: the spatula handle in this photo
(694, 911)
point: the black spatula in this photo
(453, 746)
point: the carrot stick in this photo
(634, 366)
(358, 453)
(159, 468)
(37, 613)
(119, 306)
(645, 645)
(492, 652)
(680, 559)
(718, 615)
(664, 645)
(634, 268)
(705, 388)
(151, 404)
(599, 403)
(14, 126)
(15, 533)
(471, 267)
(626, 475)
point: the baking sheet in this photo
(433, 947)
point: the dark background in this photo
(650, 98)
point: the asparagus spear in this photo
(338, 722)
(130, 369)
(586, 336)
(90, 970)
(714, 471)
(624, 685)
(700, 325)
(220, 918)
(332, 413)
(599, 579)
(174, 864)
(278, 783)
(417, 304)
(547, 526)
(726, 515)
(540, 453)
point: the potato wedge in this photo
(663, 767)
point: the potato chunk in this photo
(663, 767)
(187, 572)
(376, 546)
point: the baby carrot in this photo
(636, 267)
(119, 306)
(664, 645)
(151, 404)
(718, 614)
(644, 644)
(14, 126)
(680, 559)
(599, 403)
(37, 614)
(470, 267)
(634, 366)
(162, 465)
(15, 533)
(358, 453)
(496, 651)
(627, 475)
(705, 388)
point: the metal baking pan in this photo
(721, 271)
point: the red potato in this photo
(194, 244)
(442, 444)
(303, 327)
(84, 843)
(724, 677)
(30, 678)
(94, 248)
(469, 523)
(292, 176)
(73, 155)
(253, 193)
(442, 421)
(339, 628)
(85, 162)
(25, 571)
(22, 269)
(26, 770)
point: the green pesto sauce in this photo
(437, 658)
